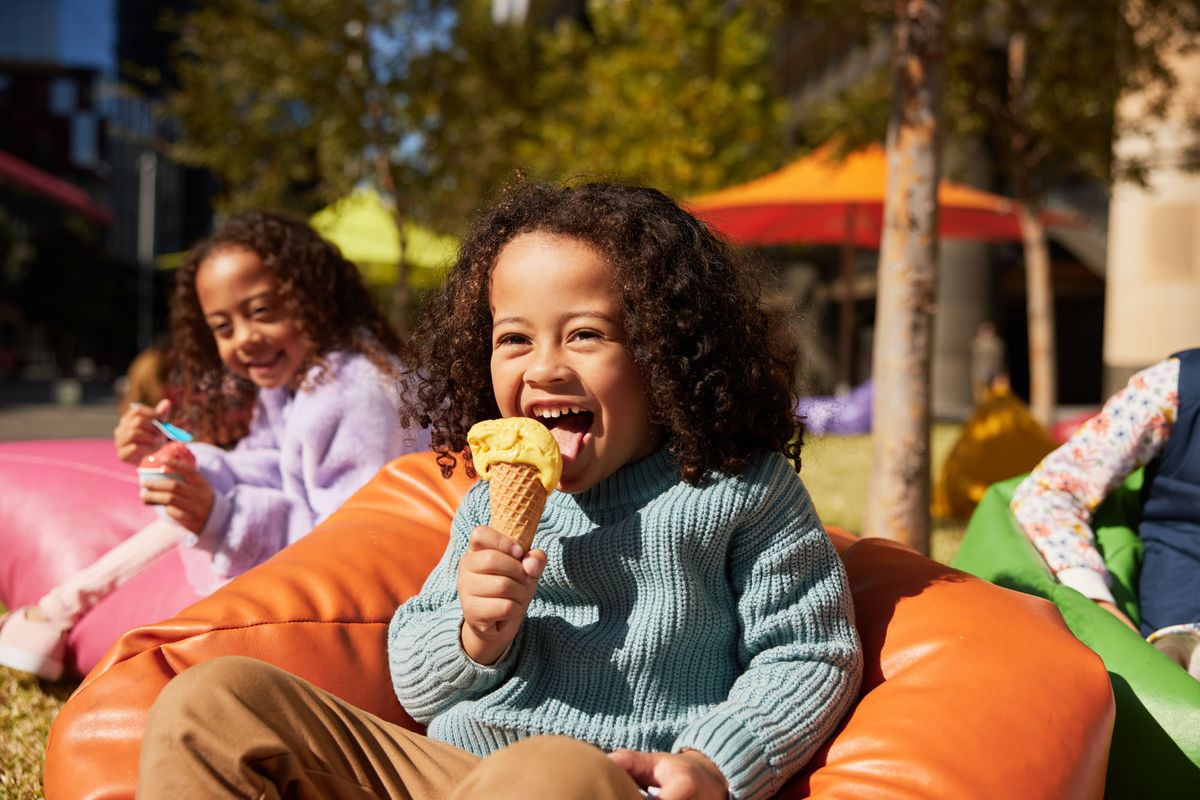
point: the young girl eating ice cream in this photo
(277, 346)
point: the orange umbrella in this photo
(819, 199)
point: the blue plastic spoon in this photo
(172, 432)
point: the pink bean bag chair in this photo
(63, 503)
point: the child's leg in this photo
(33, 638)
(68, 601)
(548, 768)
(238, 727)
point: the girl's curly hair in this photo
(718, 379)
(318, 287)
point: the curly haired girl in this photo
(276, 346)
(720, 382)
(683, 625)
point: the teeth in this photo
(555, 413)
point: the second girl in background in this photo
(275, 345)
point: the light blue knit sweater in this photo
(669, 616)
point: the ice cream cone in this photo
(520, 459)
(517, 500)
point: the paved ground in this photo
(48, 421)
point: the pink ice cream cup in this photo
(154, 465)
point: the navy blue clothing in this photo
(1169, 584)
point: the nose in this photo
(248, 336)
(548, 367)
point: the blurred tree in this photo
(293, 102)
(676, 95)
(898, 493)
(1039, 82)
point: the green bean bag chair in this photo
(1156, 740)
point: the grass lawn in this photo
(835, 470)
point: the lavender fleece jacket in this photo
(305, 454)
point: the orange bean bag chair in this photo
(970, 690)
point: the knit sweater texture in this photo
(306, 452)
(669, 616)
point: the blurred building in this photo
(1154, 242)
(77, 133)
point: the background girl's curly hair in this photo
(317, 286)
(718, 381)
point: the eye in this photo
(221, 329)
(586, 334)
(511, 340)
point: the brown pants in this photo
(238, 727)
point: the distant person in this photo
(266, 316)
(145, 379)
(684, 609)
(1153, 422)
(988, 361)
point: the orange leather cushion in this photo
(970, 690)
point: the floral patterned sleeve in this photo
(1054, 505)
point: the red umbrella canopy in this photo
(819, 199)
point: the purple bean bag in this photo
(847, 416)
(63, 503)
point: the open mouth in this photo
(568, 425)
(264, 363)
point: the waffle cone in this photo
(517, 500)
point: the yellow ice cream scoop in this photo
(520, 459)
(515, 440)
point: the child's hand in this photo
(188, 498)
(135, 435)
(495, 584)
(688, 775)
(1118, 613)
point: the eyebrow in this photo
(566, 318)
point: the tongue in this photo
(569, 433)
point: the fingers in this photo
(534, 563)
(485, 538)
(135, 435)
(163, 409)
(678, 776)
(188, 498)
(638, 765)
(677, 780)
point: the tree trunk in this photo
(1039, 290)
(898, 500)
(399, 313)
(1039, 299)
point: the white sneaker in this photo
(31, 645)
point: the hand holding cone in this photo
(521, 460)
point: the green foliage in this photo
(658, 92)
(283, 99)
(1083, 56)
(289, 102)
(673, 94)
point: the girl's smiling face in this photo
(559, 355)
(255, 337)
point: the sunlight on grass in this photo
(836, 470)
(27, 706)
